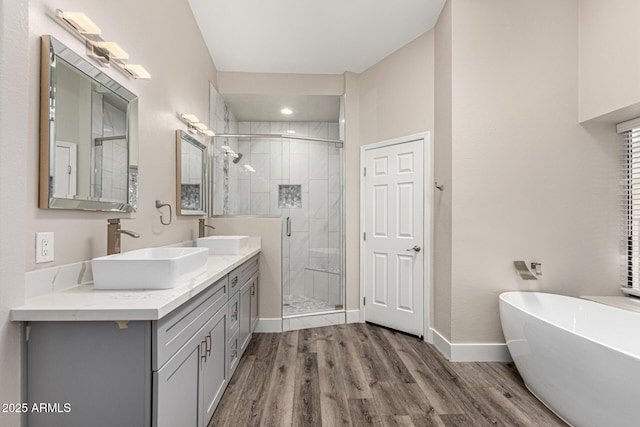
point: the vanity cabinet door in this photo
(177, 397)
(214, 367)
(244, 334)
(254, 302)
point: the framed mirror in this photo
(191, 175)
(88, 135)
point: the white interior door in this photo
(393, 246)
(65, 173)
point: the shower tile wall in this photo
(222, 120)
(313, 250)
(109, 180)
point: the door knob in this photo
(415, 248)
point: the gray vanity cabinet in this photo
(162, 373)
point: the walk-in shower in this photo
(300, 181)
(292, 170)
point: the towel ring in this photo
(159, 205)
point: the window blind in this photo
(630, 206)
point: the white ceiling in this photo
(266, 108)
(306, 36)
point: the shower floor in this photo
(300, 304)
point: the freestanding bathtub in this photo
(580, 358)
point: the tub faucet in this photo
(114, 231)
(201, 226)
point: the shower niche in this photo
(280, 167)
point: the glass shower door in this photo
(313, 229)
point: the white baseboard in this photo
(428, 336)
(441, 343)
(471, 352)
(353, 316)
(269, 325)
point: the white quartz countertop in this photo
(85, 303)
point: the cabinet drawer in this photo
(234, 354)
(241, 274)
(171, 332)
(234, 313)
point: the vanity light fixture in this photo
(291, 132)
(137, 71)
(194, 125)
(80, 22)
(115, 51)
(103, 52)
(190, 118)
(249, 168)
(99, 55)
(286, 111)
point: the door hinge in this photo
(364, 236)
(365, 171)
(364, 300)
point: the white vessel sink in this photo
(224, 245)
(151, 268)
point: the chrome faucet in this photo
(114, 231)
(201, 226)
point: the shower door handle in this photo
(288, 226)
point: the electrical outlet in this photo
(44, 247)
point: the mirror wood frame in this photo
(52, 51)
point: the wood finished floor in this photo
(359, 374)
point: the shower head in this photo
(237, 159)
